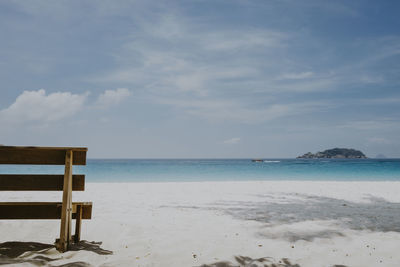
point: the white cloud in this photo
(37, 106)
(296, 76)
(235, 40)
(371, 78)
(379, 141)
(191, 82)
(220, 73)
(232, 141)
(112, 97)
(185, 58)
(381, 124)
(230, 110)
(380, 101)
(307, 85)
(173, 54)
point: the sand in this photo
(284, 223)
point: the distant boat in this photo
(257, 160)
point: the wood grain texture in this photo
(44, 148)
(39, 182)
(78, 224)
(66, 210)
(40, 155)
(40, 210)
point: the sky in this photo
(201, 79)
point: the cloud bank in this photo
(37, 106)
(112, 97)
(232, 141)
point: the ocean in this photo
(188, 170)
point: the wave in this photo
(272, 161)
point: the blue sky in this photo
(203, 79)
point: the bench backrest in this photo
(65, 210)
(40, 156)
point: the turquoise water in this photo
(168, 170)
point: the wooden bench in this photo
(65, 210)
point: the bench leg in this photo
(66, 210)
(78, 224)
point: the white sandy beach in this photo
(218, 224)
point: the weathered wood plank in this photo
(40, 210)
(40, 155)
(44, 148)
(66, 211)
(39, 182)
(78, 224)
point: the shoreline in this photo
(244, 181)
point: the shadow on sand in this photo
(14, 252)
(242, 261)
(375, 214)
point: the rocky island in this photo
(335, 153)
